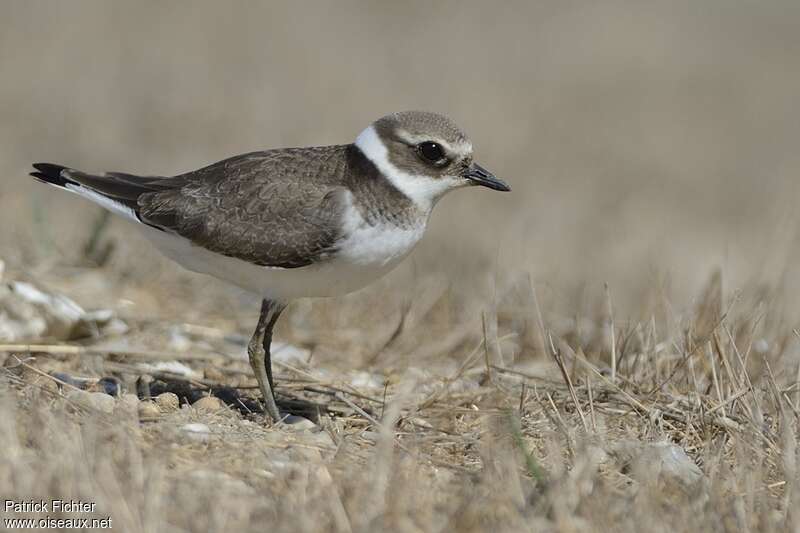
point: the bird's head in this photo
(424, 155)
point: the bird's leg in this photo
(259, 352)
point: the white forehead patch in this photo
(423, 190)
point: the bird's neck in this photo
(380, 200)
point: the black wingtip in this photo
(50, 173)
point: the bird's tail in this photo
(114, 191)
(50, 173)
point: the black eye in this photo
(431, 152)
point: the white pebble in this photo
(196, 432)
(298, 423)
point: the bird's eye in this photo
(431, 152)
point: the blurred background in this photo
(648, 145)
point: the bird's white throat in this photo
(423, 190)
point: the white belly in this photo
(366, 255)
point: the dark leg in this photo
(259, 352)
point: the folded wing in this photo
(274, 208)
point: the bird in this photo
(291, 223)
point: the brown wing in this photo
(281, 208)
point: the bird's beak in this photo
(480, 176)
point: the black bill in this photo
(480, 176)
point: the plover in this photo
(295, 222)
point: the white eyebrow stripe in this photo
(460, 148)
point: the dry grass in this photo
(471, 445)
(493, 382)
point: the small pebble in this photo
(372, 436)
(168, 402)
(298, 423)
(110, 386)
(77, 396)
(419, 422)
(127, 404)
(93, 400)
(196, 432)
(148, 410)
(661, 462)
(49, 385)
(66, 378)
(208, 404)
(103, 401)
